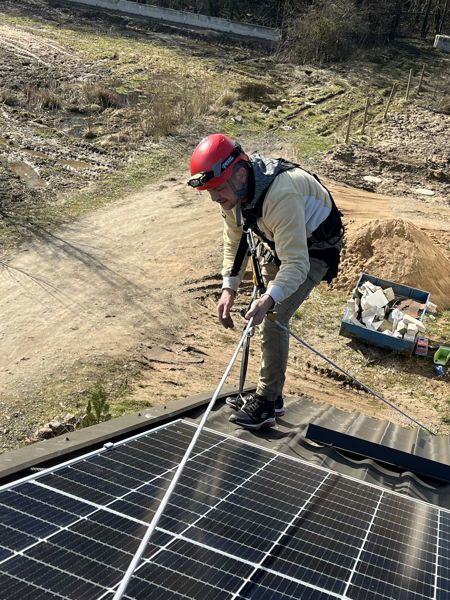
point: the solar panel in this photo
(243, 523)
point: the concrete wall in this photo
(185, 18)
(442, 42)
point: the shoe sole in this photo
(256, 426)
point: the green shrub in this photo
(97, 409)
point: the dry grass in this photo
(227, 98)
(42, 98)
(104, 97)
(8, 97)
(171, 106)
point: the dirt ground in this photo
(126, 294)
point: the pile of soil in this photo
(396, 250)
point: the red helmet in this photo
(212, 161)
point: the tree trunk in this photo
(423, 32)
(395, 24)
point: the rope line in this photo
(367, 388)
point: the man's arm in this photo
(232, 234)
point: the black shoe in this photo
(237, 402)
(257, 412)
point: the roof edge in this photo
(75, 442)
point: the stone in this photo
(372, 179)
(424, 192)
(44, 433)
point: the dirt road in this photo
(133, 280)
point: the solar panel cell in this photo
(13, 539)
(51, 579)
(268, 586)
(12, 588)
(25, 523)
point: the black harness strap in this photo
(241, 253)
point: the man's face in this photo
(224, 195)
(232, 191)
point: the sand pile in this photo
(398, 251)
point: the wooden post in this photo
(347, 135)
(409, 84)
(390, 100)
(420, 80)
(366, 110)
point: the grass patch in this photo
(439, 329)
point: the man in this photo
(300, 233)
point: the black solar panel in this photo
(243, 523)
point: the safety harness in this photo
(331, 230)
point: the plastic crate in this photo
(442, 355)
(376, 338)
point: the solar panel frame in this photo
(204, 528)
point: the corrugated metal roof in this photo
(289, 437)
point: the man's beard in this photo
(240, 190)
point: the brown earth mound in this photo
(398, 251)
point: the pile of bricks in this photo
(378, 309)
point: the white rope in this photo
(152, 526)
(367, 388)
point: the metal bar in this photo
(368, 389)
(152, 526)
(380, 452)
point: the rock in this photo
(264, 109)
(424, 192)
(57, 426)
(70, 418)
(372, 179)
(44, 433)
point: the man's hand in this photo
(224, 307)
(259, 309)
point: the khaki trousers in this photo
(275, 341)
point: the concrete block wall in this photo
(442, 42)
(178, 17)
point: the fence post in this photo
(420, 80)
(390, 100)
(347, 135)
(366, 110)
(409, 84)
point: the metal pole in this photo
(368, 389)
(154, 522)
